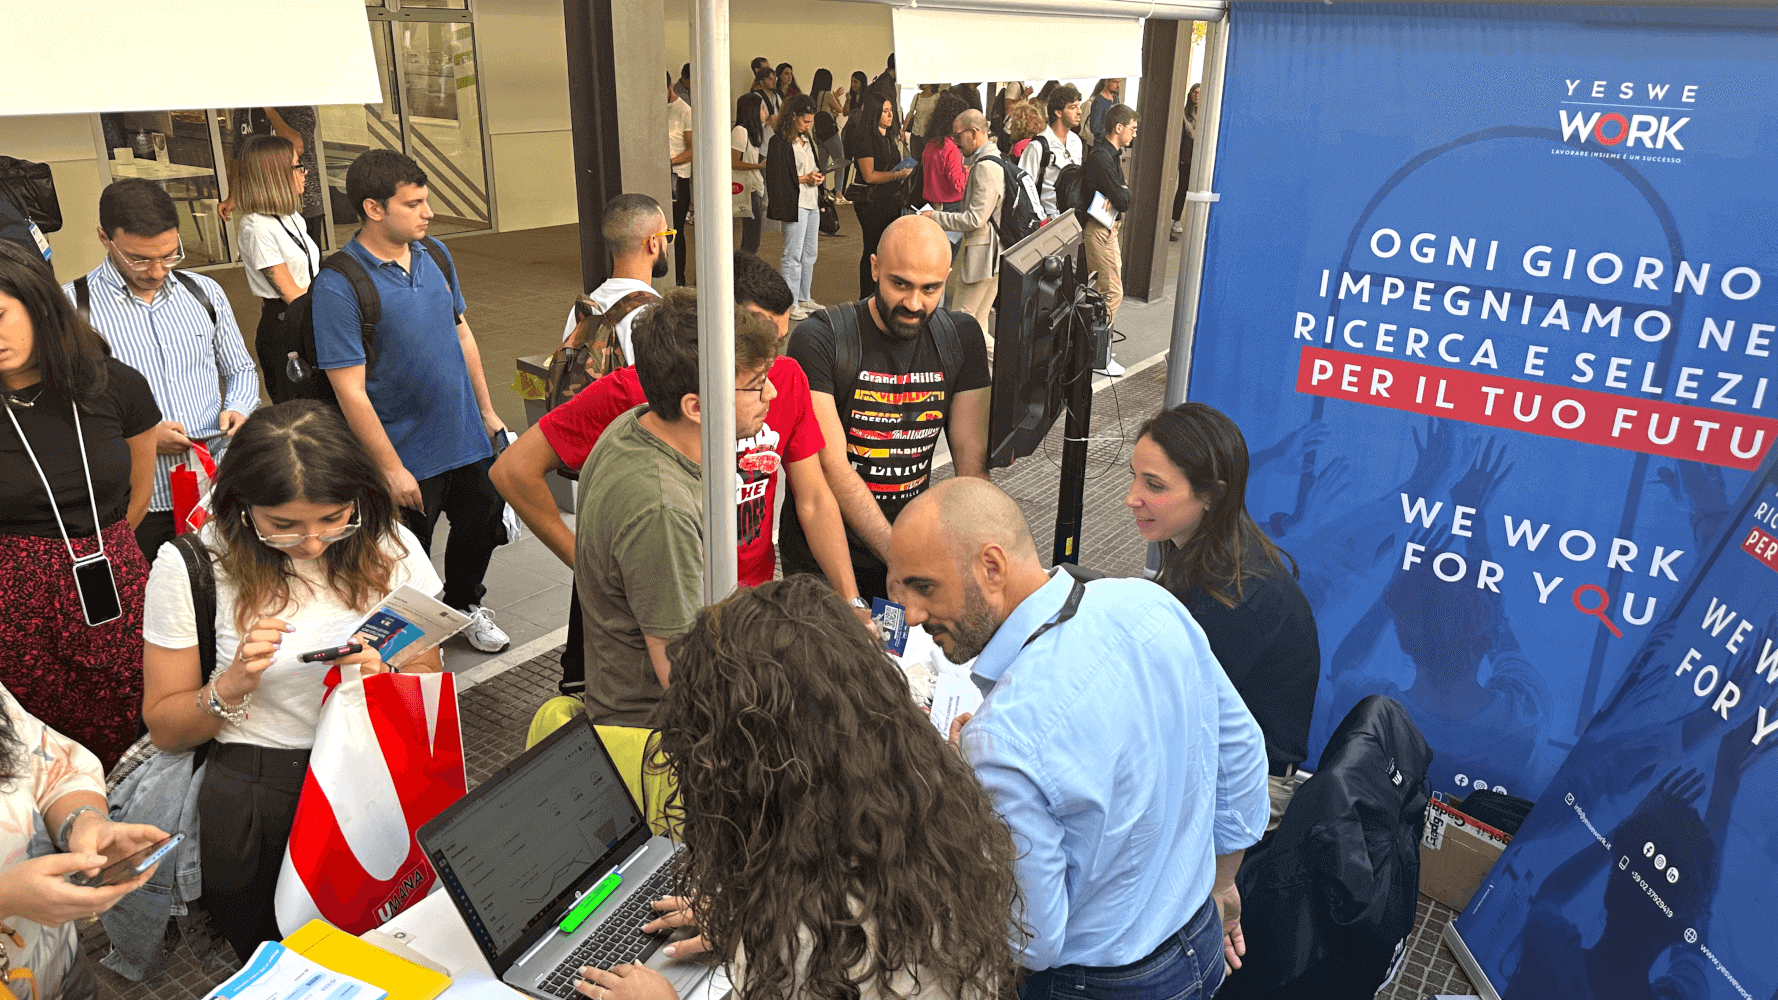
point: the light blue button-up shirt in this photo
(1124, 762)
(195, 368)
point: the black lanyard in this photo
(1069, 607)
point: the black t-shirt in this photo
(1268, 646)
(125, 409)
(883, 152)
(892, 411)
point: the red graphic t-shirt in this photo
(790, 434)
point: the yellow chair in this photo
(626, 744)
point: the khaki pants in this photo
(1105, 257)
(977, 299)
(1281, 791)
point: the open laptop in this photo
(522, 850)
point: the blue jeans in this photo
(1186, 966)
(802, 241)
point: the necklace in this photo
(16, 401)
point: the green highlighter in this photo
(590, 902)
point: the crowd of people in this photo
(814, 865)
(798, 154)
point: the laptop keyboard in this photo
(617, 939)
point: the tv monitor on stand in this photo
(1053, 331)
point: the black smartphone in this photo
(119, 872)
(332, 653)
(98, 590)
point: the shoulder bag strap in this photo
(949, 343)
(197, 291)
(203, 597)
(848, 354)
(370, 304)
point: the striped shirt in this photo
(185, 358)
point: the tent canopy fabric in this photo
(112, 55)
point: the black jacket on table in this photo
(782, 187)
(1103, 173)
(1331, 895)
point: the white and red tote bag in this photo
(388, 757)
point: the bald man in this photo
(1130, 771)
(886, 375)
(978, 256)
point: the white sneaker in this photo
(1112, 368)
(798, 313)
(482, 633)
(810, 307)
(1177, 229)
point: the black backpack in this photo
(1068, 179)
(297, 334)
(848, 344)
(826, 126)
(1019, 218)
(83, 297)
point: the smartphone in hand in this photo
(119, 872)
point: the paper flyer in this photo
(409, 623)
(277, 973)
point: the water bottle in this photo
(294, 369)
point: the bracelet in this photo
(68, 824)
(211, 702)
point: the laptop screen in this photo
(523, 839)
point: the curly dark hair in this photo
(944, 115)
(818, 804)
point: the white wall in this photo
(523, 59)
(808, 34)
(65, 142)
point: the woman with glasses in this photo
(280, 258)
(305, 542)
(76, 474)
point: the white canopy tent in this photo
(110, 55)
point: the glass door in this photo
(430, 110)
(176, 150)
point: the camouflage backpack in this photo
(593, 350)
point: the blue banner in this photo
(1647, 867)
(1491, 291)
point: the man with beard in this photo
(886, 376)
(1118, 752)
(637, 237)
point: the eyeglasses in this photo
(670, 234)
(144, 263)
(292, 540)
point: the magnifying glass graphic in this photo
(1598, 612)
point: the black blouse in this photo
(125, 409)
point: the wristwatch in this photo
(68, 824)
(861, 604)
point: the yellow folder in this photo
(323, 943)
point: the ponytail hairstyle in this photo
(301, 450)
(1208, 449)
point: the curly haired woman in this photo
(837, 848)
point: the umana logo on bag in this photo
(1631, 127)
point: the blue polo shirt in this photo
(420, 385)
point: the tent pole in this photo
(1188, 298)
(711, 176)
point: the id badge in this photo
(42, 242)
(97, 588)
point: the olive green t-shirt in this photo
(638, 564)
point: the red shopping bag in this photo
(388, 757)
(191, 489)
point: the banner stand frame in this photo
(1466, 961)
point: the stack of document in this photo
(322, 962)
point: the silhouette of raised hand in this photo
(1434, 457)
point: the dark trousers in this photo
(156, 529)
(872, 220)
(245, 809)
(681, 208)
(750, 228)
(468, 497)
(1186, 966)
(574, 652)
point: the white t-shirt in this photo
(606, 296)
(741, 142)
(266, 242)
(287, 706)
(807, 195)
(1071, 153)
(679, 122)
